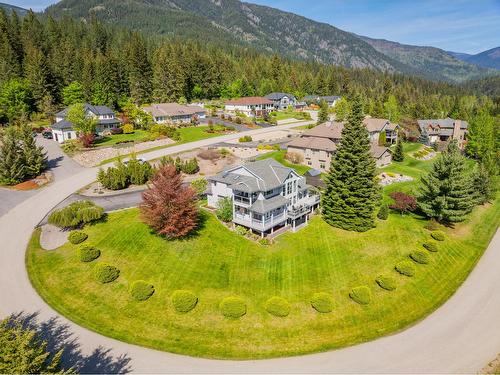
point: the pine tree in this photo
(424, 138)
(12, 167)
(35, 157)
(323, 115)
(382, 138)
(352, 194)
(398, 151)
(168, 77)
(73, 94)
(139, 70)
(38, 76)
(447, 193)
(483, 185)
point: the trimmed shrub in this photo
(242, 231)
(431, 246)
(77, 213)
(405, 268)
(141, 290)
(386, 282)
(128, 129)
(105, 273)
(88, 253)
(184, 300)
(77, 237)
(419, 257)
(431, 225)
(438, 235)
(322, 302)
(277, 306)
(383, 212)
(245, 138)
(233, 307)
(361, 295)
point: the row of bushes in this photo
(188, 166)
(76, 214)
(122, 175)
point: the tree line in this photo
(47, 63)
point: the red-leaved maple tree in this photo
(169, 207)
(403, 202)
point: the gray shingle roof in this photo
(99, 110)
(62, 125)
(278, 95)
(261, 206)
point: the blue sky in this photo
(469, 26)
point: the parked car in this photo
(47, 135)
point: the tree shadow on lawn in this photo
(58, 336)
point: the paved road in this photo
(59, 164)
(459, 337)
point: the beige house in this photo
(444, 130)
(317, 145)
(174, 113)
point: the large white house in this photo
(250, 106)
(266, 196)
(62, 129)
(174, 113)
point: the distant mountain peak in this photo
(485, 59)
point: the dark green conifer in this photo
(398, 151)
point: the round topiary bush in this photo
(438, 235)
(405, 268)
(184, 300)
(77, 237)
(141, 290)
(233, 307)
(277, 306)
(88, 253)
(431, 246)
(419, 256)
(105, 273)
(386, 282)
(361, 295)
(322, 302)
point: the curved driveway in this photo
(460, 337)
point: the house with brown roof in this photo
(250, 106)
(317, 145)
(444, 130)
(174, 113)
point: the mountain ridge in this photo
(486, 59)
(8, 8)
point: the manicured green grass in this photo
(138, 135)
(279, 156)
(216, 263)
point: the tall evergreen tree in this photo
(398, 151)
(168, 77)
(323, 115)
(35, 157)
(139, 68)
(12, 168)
(446, 193)
(352, 194)
(38, 76)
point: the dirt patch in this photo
(52, 237)
(95, 157)
(35, 183)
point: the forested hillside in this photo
(9, 8)
(270, 30)
(487, 59)
(44, 58)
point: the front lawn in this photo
(216, 263)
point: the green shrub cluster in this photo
(386, 282)
(405, 268)
(76, 214)
(361, 295)
(123, 175)
(158, 131)
(322, 302)
(88, 253)
(383, 212)
(245, 138)
(233, 307)
(224, 210)
(242, 231)
(188, 166)
(265, 241)
(184, 300)
(438, 235)
(141, 290)
(128, 129)
(277, 306)
(105, 273)
(431, 246)
(419, 256)
(77, 237)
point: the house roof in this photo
(98, 110)
(442, 123)
(378, 151)
(314, 143)
(172, 109)
(62, 125)
(375, 124)
(328, 98)
(278, 96)
(263, 175)
(329, 129)
(261, 206)
(250, 100)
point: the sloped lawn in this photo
(216, 263)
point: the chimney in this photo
(456, 129)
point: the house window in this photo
(322, 165)
(309, 163)
(69, 135)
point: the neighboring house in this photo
(266, 195)
(444, 130)
(317, 145)
(174, 113)
(315, 99)
(376, 126)
(63, 130)
(281, 100)
(250, 106)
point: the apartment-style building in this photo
(266, 196)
